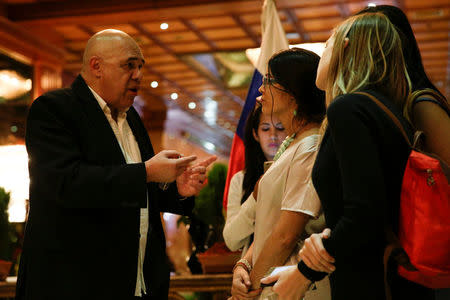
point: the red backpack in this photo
(422, 249)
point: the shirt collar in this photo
(104, 106)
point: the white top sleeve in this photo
(240, 221)
(299, 194)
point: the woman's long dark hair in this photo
(411, 53)
(254, 156)
(295, 70)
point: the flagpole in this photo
(273, 40)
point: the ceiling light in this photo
(154, 84)
(371, 5)
(192, 105)
(164, 26)
(174, 96)
(209, 146)
(210, 114)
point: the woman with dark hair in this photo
(263, 135)
(287, 207)
(426, 109)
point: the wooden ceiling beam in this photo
(256, 39)
(200, 34)
(400, 4)
(141, 29)
(181, 42)
(213, 41)
(171, 82)
(182, 89)
(101, 12)
(87, 29)
(343, 10)
(73, 67)
(73, 52)
(293, 19)
(169, 50)
(36, 10)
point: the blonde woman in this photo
(359, 167)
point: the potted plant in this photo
(7, 236)
(206, 226)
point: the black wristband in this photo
(309, 273)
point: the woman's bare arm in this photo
(435, 123)
(279, 245)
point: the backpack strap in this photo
(426, 94)
(390, 115)
(418, 135)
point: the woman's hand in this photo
(241, 285)
(290, 284)
(314, 254)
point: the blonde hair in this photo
(373, 59)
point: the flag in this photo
(273, 40)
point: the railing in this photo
(217, 284)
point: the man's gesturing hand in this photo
(166, 166)
(191, 181)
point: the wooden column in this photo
(154, 114)
(45, 58)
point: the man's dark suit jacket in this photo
(82, 235)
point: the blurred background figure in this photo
(263, 136)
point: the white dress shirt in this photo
(130, 150)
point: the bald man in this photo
(94, 228)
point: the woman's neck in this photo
(298, 127)
(293, 125)
(290, 124)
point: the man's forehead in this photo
(134, 51)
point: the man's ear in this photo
(346, 41)
(255, 135)
(95, 66)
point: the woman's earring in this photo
(295, 112)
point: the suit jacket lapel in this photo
(99, 122)
(140, 134)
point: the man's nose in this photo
(137, 74)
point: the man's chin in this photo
(125, 105)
